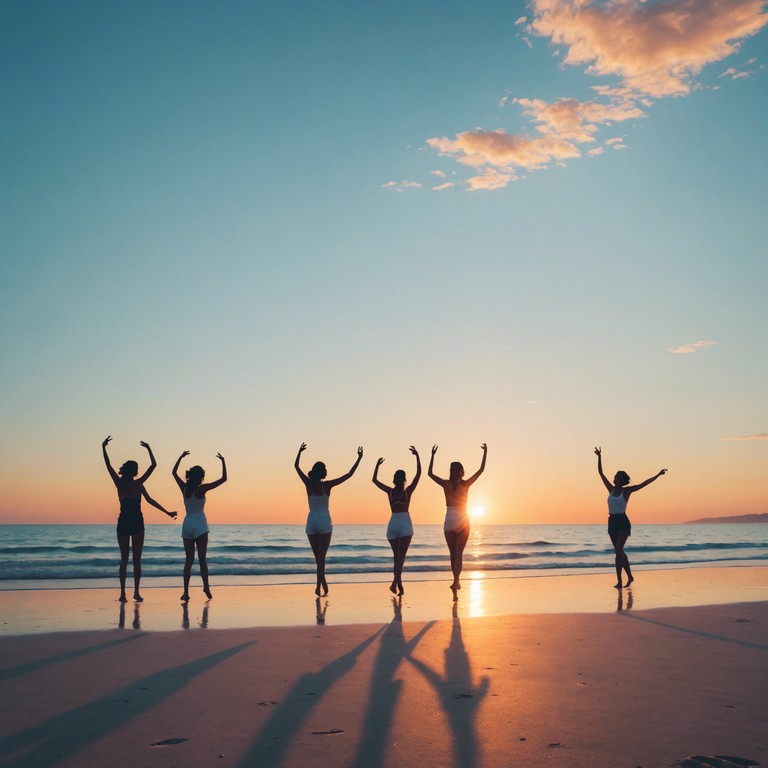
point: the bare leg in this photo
(622, 562)
(393, 585)
(124, 543)
(320, 543)
(138, 546)
(189, 554)
(400, 549)
(456, 541)
(202, 549)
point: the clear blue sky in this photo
(220, 232)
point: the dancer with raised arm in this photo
(194, 529)
(456, 526)
(130, 523)
(319, 527)
(619, 527)
(400, 528)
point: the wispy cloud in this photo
(687, 349)
(650, 50)
(401, 186)
(746, 437)
(447, 185)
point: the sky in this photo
(242, 226)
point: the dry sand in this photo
(640, 687)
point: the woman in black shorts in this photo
(619, 527)
(130, 523)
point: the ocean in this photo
(86, 556)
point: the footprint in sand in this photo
(168, 742)
(332, 732)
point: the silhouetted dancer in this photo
(456, 526)
(319, 526)
(130, 523)
(194, 529)
(619, 527)
(400, 528)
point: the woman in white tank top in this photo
(619, 527)
(194, 529)
(319, 527)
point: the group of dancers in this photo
(319, 528)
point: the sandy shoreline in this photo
(646, 686)
(35, 611)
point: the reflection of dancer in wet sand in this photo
(194, 529)
(130, 523)
(319, 526)
(456, 526)
(619, 527)
(400, 528)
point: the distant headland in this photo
(759, 518)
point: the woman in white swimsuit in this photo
(319, 526)
(194, 529)
(619, 527)
(400, 528)
(456, 526)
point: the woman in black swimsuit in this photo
(130, 523)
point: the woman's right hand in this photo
(302, 447)
(106, 441)
(379, 462)
(434, 450)
(413, 450)
(598, 451)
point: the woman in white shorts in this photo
(319, 526)
(400, 528)
(456, 526)
(194, 529)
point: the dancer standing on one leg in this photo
(194, 529)
(130, 523)
(319, 527)
(619, 527)
(456, 526)
(400, 528)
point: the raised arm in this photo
(376, 482)
(304, 478)
(205, 487)
(152, 463)
(175, 471)
(151, 501)
(438, 480)
(417, 476)
(115, 477)
(633, 488)
(480, 471)
(330, 483)
(599, 452)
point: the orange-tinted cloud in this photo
(655, 49)
(746, 437)
(687, 349)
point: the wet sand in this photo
(471, 685)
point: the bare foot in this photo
(393, 587)
(401, 591)
(617, 585)
(629, 581)
(325, 587)
(123, 598)
(455, 591)
(207, 593)
(317, 590)
(138, 598)
(185, 597)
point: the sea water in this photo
(76, 556)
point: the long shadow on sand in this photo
(33, 666)
(277, 734)
(697, 632)
(385, 690)
(459, 696)
(60, 737)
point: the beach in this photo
(554, 670)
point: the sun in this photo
(478, 511)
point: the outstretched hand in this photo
(220, 457)
(173, 515)
(379, 462)
(302, 447)
(144, 444)
(106, 441)
(359, 451)
(183, 454)
(484, 447)
(663, 472)
(413, 450)
(598, 451)
(434, 450)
